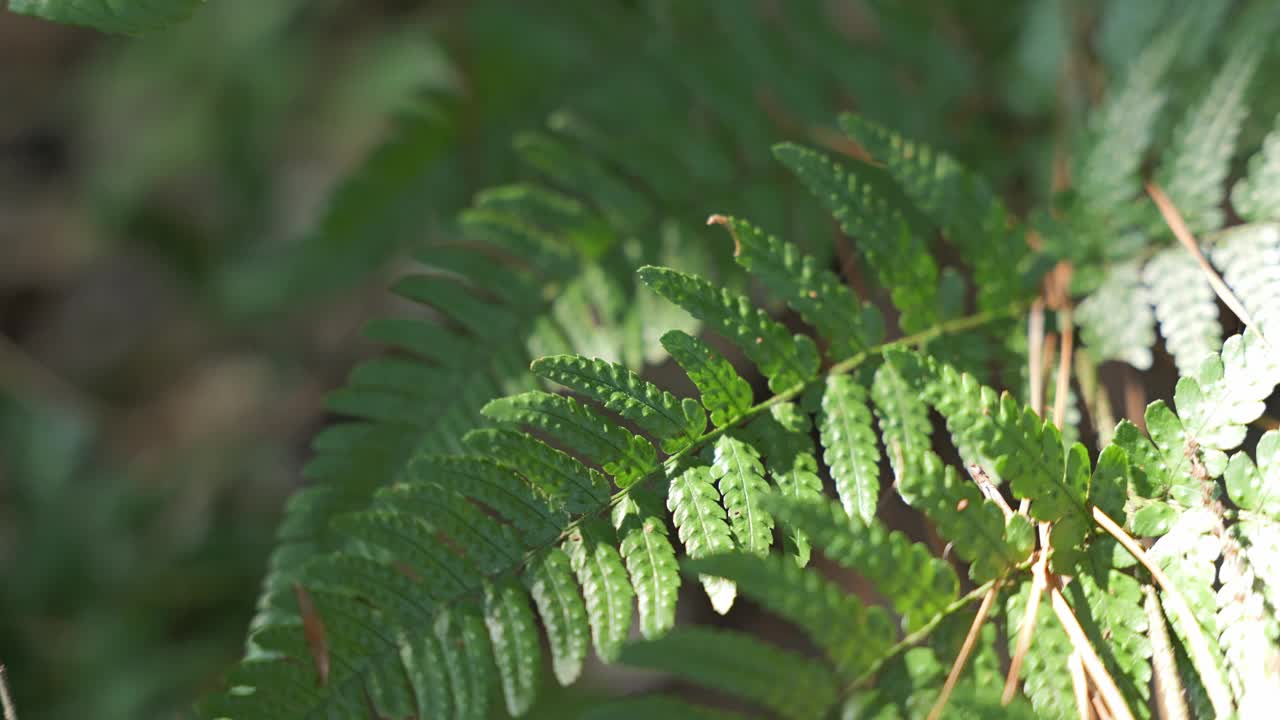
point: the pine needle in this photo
(1164, 665)
(965, 650)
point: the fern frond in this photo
(564, 615)
(574, 486)
(851, 635)
(919, 585)
(970, 214)
(646, 707)
(1026, 450)
(127, 18)
(1194, 169)
(1249, 258)
(1256, 197)
(1121, 130)
(739, 473)
(592, 550)
(886, 239)
(849, 446)
(514, 637)
(784, 436)
(651, 561)
(703, 526)
(785, 360)
(790, 684)
(1185, 306)
(1116, 322)
(623, 455)
(815, 292)
(724, 393)
(468, 660)
(676, 423)
(500, 488)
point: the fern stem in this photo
(1201, 656)
(6, 702)
(965, 650)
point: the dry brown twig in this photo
(6, 701)
(1088, 656)
(1080, 686)
(965, 650)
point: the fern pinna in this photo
(595, 495)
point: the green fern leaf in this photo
(564, 616)
(379, 583)
(740, 475)
(886, 239)
(811, 290)
(784, 436)
(1121, 130)
(468, 661)
(973, 524)
(592, 550)
(785, 360)
(651, 561)
(425, 663)
(1256, 487)
(514, 638)
(491, 546)
(1194, 169)
(703, 526)
(849, 446)
(852, 635)
(1027, 450)
(1249, 258)
(1116, 322)
(1186, 307)
(575, 486)
(725, 395)
(1226, 394)
(647, 707)
(655, 411)
(500, 488)
(623, 455)
(129, 18)
(918, 584)
(903, 417)
(1256, 197)
(577, 171)
(790, 685)
(412, 541)
(961, 203)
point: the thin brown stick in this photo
(969, 640)
(6, 701)
(1064, 367)
(1164, 665)
(1174, 220)
(989, 489)
(1135, 398)
(1027, 629)
(1100, 709)
(1035, 357)
(1201, 656)
(1080, 685)
(1092, 663)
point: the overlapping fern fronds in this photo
(595, 494)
